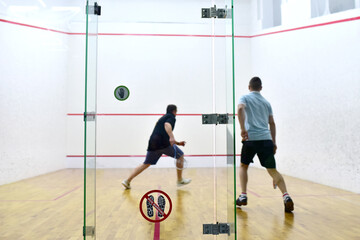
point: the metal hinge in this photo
(215, 118)
(88, 230)
(89, 116)
(215, 13)
(95, 10)
(216, 229)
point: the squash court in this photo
(85, 83)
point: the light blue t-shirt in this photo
(257, 111)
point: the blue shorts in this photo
(172, 151)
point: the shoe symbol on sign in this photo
(161, 202)
(150, 211)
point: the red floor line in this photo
(157, 224)
(63, 195)
(314, 195)
(90, 212)
(254, 193)
(57, 198)
(157, 229)
(26, 200)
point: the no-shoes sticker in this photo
(155, 206)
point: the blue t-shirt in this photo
(257, 111)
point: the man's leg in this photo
(243, 177)
(137, 171)
(242, 200)
(247, 155)
(179, 168)
(279, 180)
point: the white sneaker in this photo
(183, 182)
(126, 184)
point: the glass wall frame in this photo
(221, 46)
(90, 120)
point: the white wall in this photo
(312, 79)
(33, 100)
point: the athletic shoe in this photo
(289, 204)
(149, 206)
(183, 182)
(241, 201)
(126, 184)
(161, 202)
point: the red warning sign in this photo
(155, 206)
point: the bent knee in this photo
(274, 173)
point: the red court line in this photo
(135, 114)
(90, 212)
(188, 35)
(63, 195)
(57, 198)
(157, 229)
(41, 28)
(26, 200)
(306, 195)
(157, 224)
(142, 156)
(309, 26)
(140, 114)
(166, 35)
(316, 195)
(254, 193)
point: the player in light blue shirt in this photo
(255, 116)
(258, 110)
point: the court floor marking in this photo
(157, 224)
(305, 195)
(39, 200)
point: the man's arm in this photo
(172, 140)
(241, 118)
(168, 129)
(273, 131)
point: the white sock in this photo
(285, 195)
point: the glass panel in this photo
(165, 53)
(230, 127)
(224, 102)
(90, 123)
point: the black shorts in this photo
(264, 149)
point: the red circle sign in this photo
(156, 206)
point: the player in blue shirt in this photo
(255, 116)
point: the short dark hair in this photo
(170, 108)
(255, 83)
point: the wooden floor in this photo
(51, 207)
